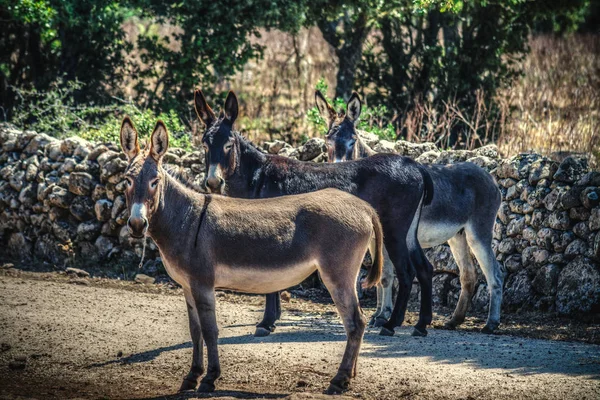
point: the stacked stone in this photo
(547, 232)
(548, 235)
(62, 201)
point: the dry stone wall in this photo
(62, 203)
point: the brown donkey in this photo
(210, 242)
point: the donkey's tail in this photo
(428, 182)
(374, 275)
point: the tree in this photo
(214, 41)
(45, 40)
(460, 52)
(345, 26)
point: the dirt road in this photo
(85, 341)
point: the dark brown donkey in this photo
(210, 242)
(395, 186)
(463, 214)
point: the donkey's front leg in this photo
(398, 252)
(272, 314)
(204, 298)
(191, 380)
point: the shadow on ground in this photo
(514, 355)
(236, 394)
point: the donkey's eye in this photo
(129, 182)
(228, 147)
(153, 184)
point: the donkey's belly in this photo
(262, 279)
(432, 234)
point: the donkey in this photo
(462, 213)
(395, 186)
(210, 242)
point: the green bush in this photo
(55, 113)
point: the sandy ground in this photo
(80, 340)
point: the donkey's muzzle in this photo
(137, 226)
(215, 184)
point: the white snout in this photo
(138, 210)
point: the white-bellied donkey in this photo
(462, 213)
(210, 242)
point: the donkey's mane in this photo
(246, 141)
(182, 177)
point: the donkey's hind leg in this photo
(468, 277)
(480, 242)
(424, 271)
(354, 324)
(191, 380)
(379, 301)
(272, 314)
(398, 252)
(343, 293)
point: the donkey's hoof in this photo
(379, 322)
(419, 332)
(206, 387)
(386, 332)
(337, 387)
(262, 332)
(450, 325)
(188, 385)
(489, 329)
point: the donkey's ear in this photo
(129, 139)
(354, 107)
(159, 142)
(203, 110)
(324, 108)
(231, 107)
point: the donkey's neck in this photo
(175, 221)
(261, 175)
(247, 178)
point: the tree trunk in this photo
(348, 46)
(348, 60)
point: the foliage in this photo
(213, 42)
(448, 52)
(375, 120)
(43, 42)
(391, 49)
(54, 112)
(144, 121)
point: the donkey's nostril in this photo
(214, 184)
(137, 226)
